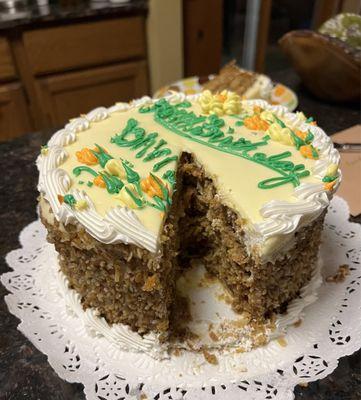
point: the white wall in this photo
(165, 42)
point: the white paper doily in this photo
(331, 329)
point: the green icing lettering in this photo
(170, 177)
(158, 152)
(207, 131)
(131, 135)
(161, 164)
(148, 141)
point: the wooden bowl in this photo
(328, 67)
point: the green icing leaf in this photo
(82, 168)
(132, 176)
(101, 155)
(70, 200)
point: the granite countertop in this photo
(24, 371)
(31, 15)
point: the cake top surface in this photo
(113, 170)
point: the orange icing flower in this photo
(256, 123)
(329, 185)
(151, 186)
(300, 134)
(313, 123)
(61, 198)
(85, 156)
(99, 181)
(309, 151)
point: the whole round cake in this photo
(139, 198)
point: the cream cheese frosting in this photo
(112, 170)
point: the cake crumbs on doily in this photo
(282, 341)
(209, 357)
(340, 275)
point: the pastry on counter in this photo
(247, 84)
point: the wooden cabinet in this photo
(83, 45)
(14, 117)
(69, 95)
(7, 68)
(51, 74)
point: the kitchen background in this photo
(61, 58)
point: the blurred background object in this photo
(328, 61)
(61, 58)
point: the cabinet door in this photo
(83, 45)
(68, 95)
(14, 116)
(7, 68)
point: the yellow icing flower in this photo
(332, 170)
(221, 103)
(232, 103)
(128, 196)
(268, 116)
(115, 167)
(279, 134)
(81, 205)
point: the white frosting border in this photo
(122, 225)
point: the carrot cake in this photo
(133, 194)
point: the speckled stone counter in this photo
(68, 11)
(24, 371)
